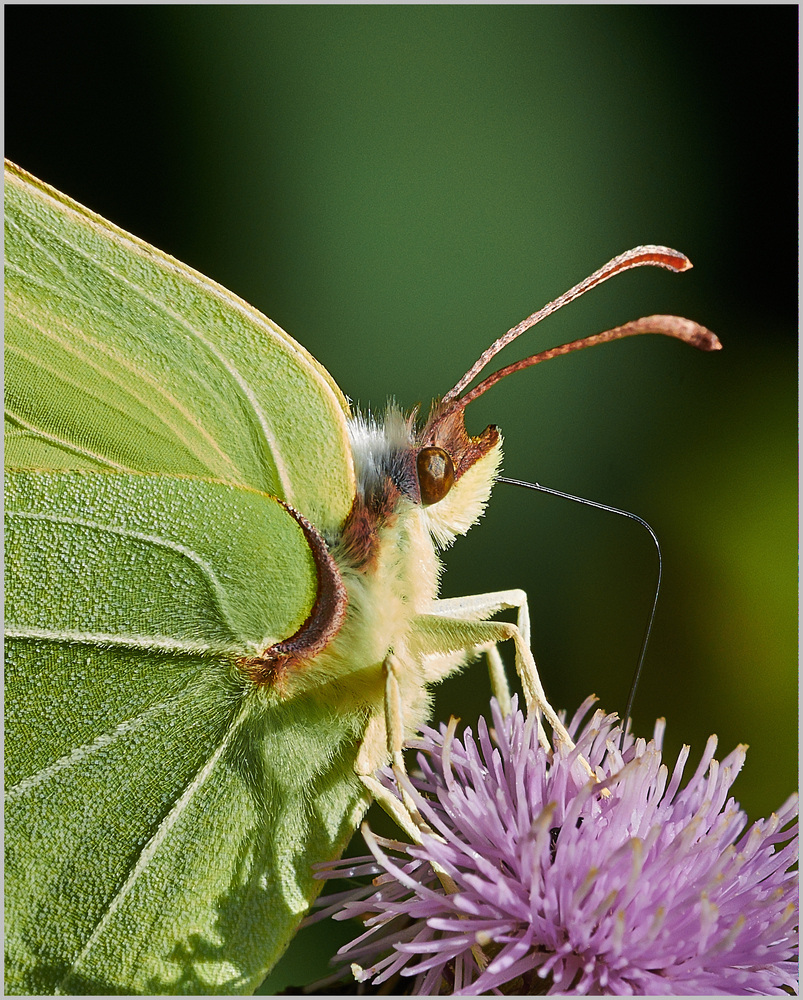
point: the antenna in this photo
(672, 326)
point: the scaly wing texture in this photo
(120, 358)
(160, 818)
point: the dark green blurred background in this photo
(396, 186)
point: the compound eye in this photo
(435, 474)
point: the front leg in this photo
(482, 606)
(437, 634)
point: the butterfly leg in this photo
(453, 625)
(482, 606)
(456, 625)
(498, 676)
(401, 810)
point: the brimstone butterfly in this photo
(217, 577)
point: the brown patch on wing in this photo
(446, 428)
(321, 626)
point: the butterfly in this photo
(222, 610)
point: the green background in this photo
(396, 186)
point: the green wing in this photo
(161, 815)
(160, 818)
(120, 358)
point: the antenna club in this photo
(672, 260)
(686, 330)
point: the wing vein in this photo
(30, 430)
(206, 570)
(79, 754)
(271, 454)
(159, 837)
(140, 376)
(123, 640)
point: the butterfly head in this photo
(441, 469)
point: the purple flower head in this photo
(535, 879)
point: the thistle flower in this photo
(535, 879)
